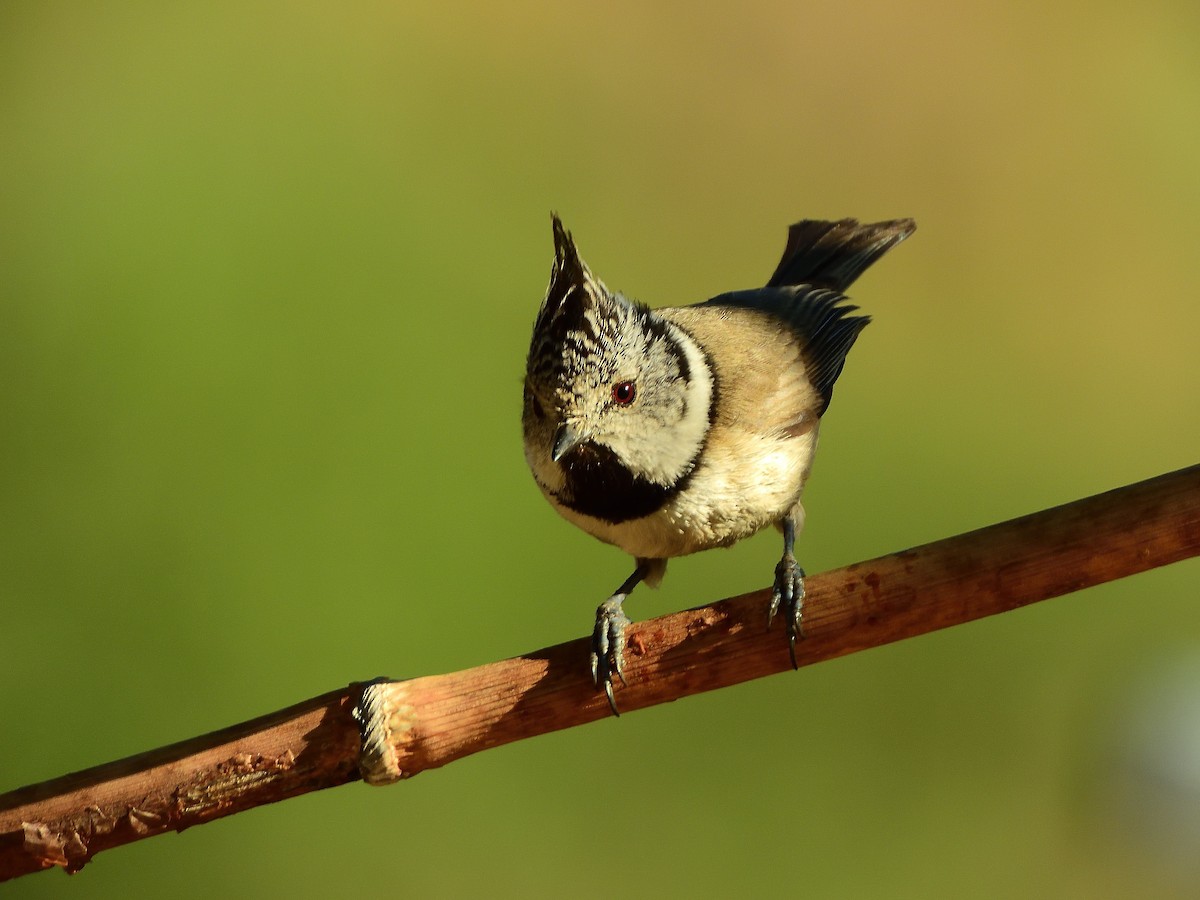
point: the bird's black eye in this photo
(624, 392)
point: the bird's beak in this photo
(566, 439)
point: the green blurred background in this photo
(268, 274)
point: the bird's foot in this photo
(788, 595)
(608, 646)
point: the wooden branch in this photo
(392, 730)
(67, 821)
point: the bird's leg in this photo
(788, 592)
(608, 638)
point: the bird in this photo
(673, 430)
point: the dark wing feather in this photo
(820, 320)
(820, 261)
(834, 254)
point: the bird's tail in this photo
(833, 254)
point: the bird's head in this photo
(614, 393)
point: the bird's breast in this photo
(742, 484)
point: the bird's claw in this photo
(608, 646)
(788, 594)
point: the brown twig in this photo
(410, 726)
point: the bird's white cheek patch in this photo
(690, 432)
(664, 445)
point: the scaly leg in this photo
(608, 638)
(788, 592)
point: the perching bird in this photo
(669, 431)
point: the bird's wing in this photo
(761, 381)
(816, 320)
